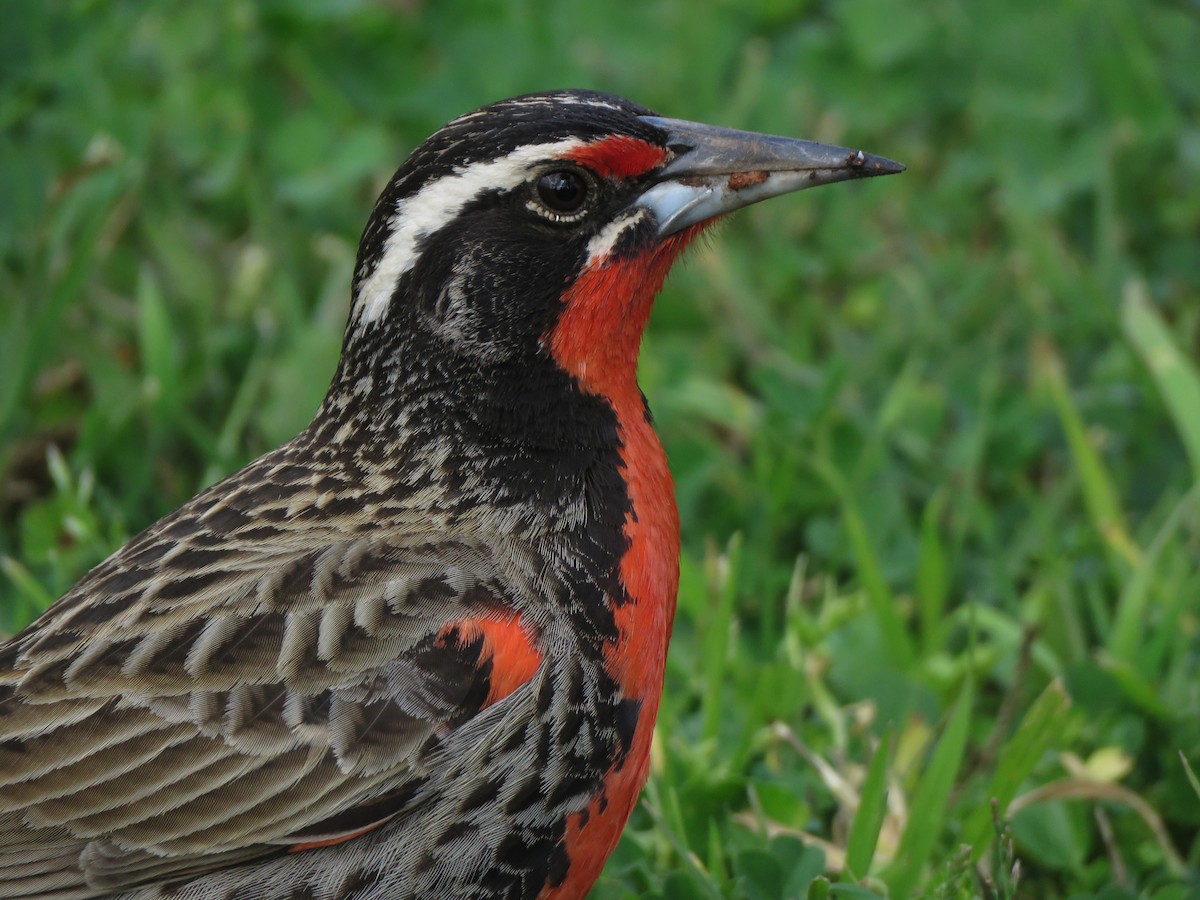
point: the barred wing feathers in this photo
(186, 708)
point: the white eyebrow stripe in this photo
(600, 247)
(433, 207)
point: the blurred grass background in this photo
(936, 437)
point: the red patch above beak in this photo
(620, 156)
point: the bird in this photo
(417, 651)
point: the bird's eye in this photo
(562, 191)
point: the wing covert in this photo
(274, 706)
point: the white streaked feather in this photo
(600, 247)
(335, 619)
(436, 205)
(219, 630)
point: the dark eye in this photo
(562, 191)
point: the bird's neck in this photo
(462, 438)
(596, 340)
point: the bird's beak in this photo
(717, 170)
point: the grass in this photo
(935, 437)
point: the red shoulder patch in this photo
(502, 654)
(507, 645)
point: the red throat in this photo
(599, 333)
(597, 340)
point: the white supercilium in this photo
(435, 206)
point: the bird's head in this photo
(542, 226)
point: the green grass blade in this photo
(883, 602)
(1099, 493)
(872, 806)
(156, 343)
(870, 572)
(1141, 690)
(1128, 629)
(929, 801)
(1017, 759)
(932, 582)
(31, 597)
(1191, 775)
(31, 328)
(1177, 378)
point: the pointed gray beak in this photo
(717, 170)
